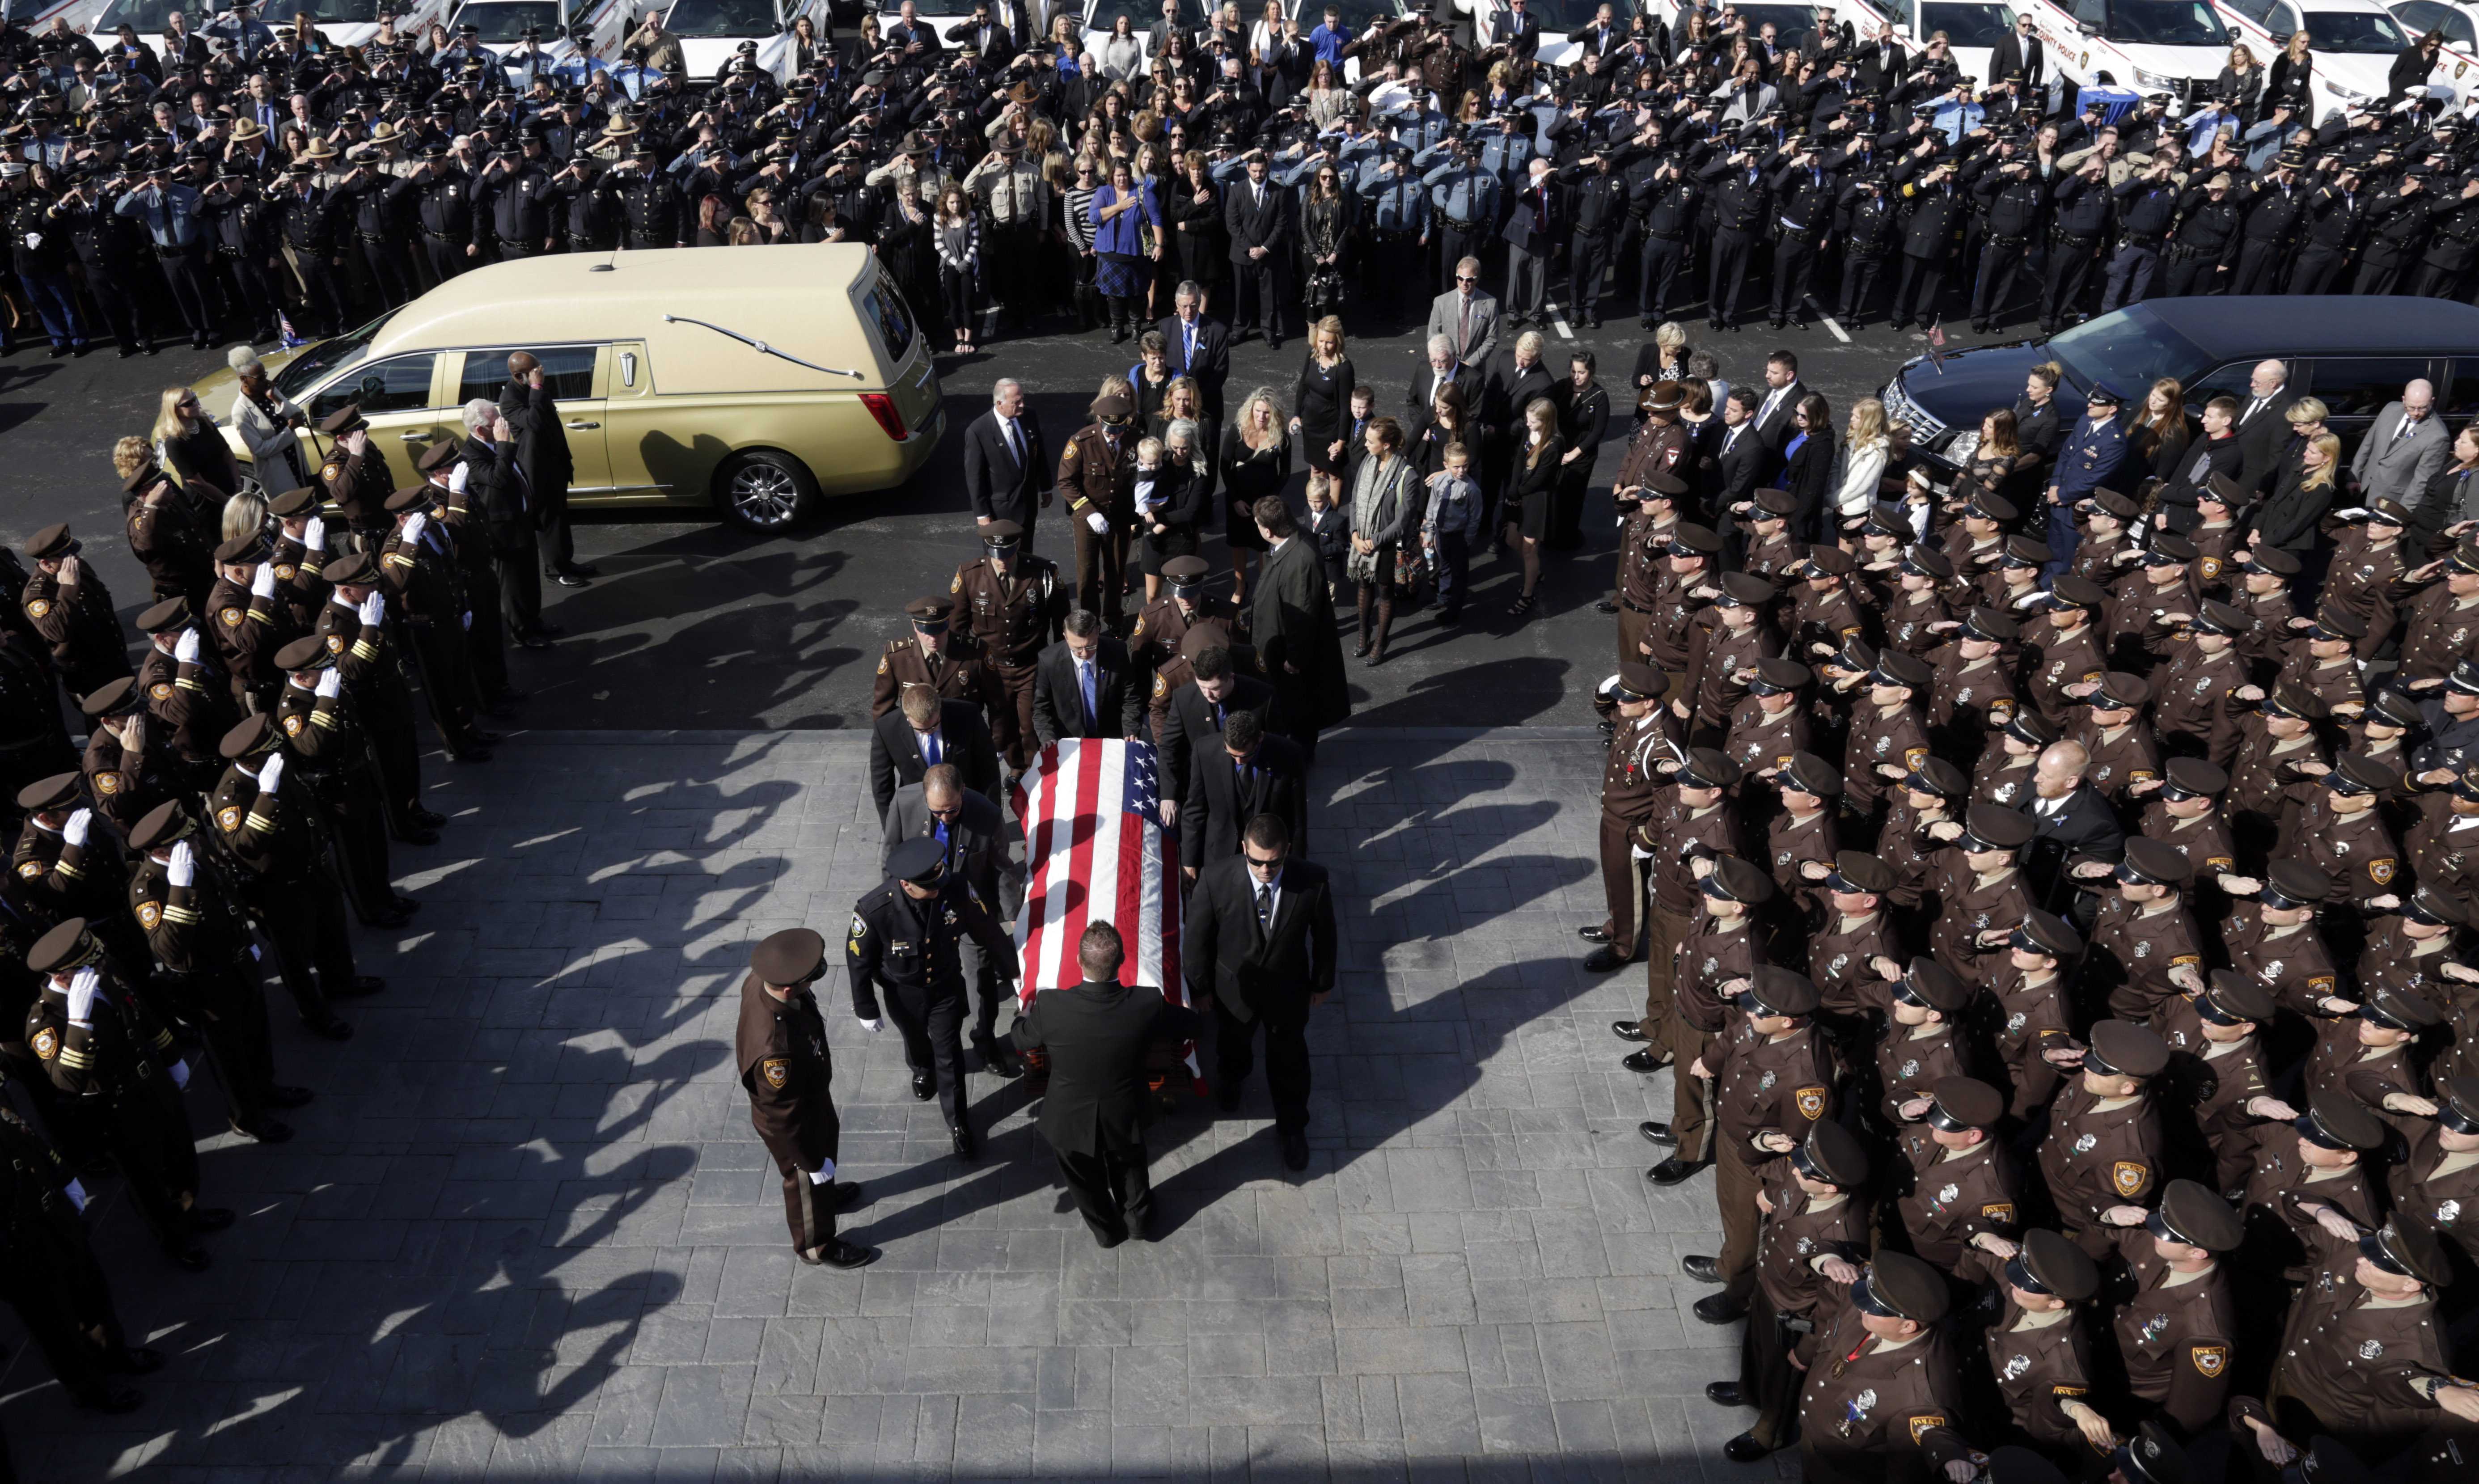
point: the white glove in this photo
(86, 986)
(180, 1074)
(871, 1026)
(373, 609)
(314, 536)
(332, 683)
(187, 650)
(469, 618)
(457, 478)
(76, 1191)
(824, 1174)
(1095, 519)
(414, 528)
(74, 832)
(264, 584)
(1638, 853)
(272, 774)
(182, 869)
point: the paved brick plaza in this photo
(527, 1232)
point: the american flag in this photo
(1099, 853)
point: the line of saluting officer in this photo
(2069, 983)
(235, 804)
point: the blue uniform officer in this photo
(2087, 462)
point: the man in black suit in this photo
(2264, 425)
(1443, 371)
(2019, 54)
(2076, 838)
(968, 829)
(1516, 28)
(1087, 687)
(1007, 468)
(1881, 64)
(1250, 774)
(923, 731)
(1264, 926)
(987, 36)
(1775, 403)
(1257, 212)
(1198, 712)
(1601, 35)
(542, 452)
(1095, 1036)
(1199, 346)
(495, 486)
(1290, 620)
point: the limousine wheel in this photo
(764, 491)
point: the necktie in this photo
(1265, 907)
(2253, 408)
(1085, 679)
(2403, 431)
(1016, 443)
(1463, 328)
(940, 829)
(1191, 334)
(929, 750)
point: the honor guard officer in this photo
(1699, 812)
(1097, 475)
(130, 766)
(301, 554)
(652, 203)
(906, 938)
(65, 866)
(355, 472)
(780, 1046)
(1962, 1208)
(2102, 1156)
(1888, 737)
(2038, 1352)
(2364, 1357)
(199, 932)
(1712, 963)
(1882, 1385)
(2438, 1182)
(185, 691)
(1814, 1240)
(353, 626)
(117, 1063)
(418, 571)
(1918, 1049)
(249, 622)
(443, 203)
(270, 826)
(949, 665)
(1014, 603)
(1162, 623)
(2302, 1168)
(1641, 757)
(2174, 1333)
(50, 1278)
(324, 735)
(70, 610)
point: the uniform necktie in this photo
(1265, 907)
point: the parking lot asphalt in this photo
(697, 624)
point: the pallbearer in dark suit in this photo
(1007, 469)
(1252, 773)
(1095, 1036)
(1262, 925)
(923, 731)
(782, 1053)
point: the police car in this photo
(2355, 41)
(2175, 46)
(343, 22)
(2458, 20)
(502, 24)
(1100, 16)
(1972, 28)
(710, 31)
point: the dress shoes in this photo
(1295, 1150)
(362, 984)
(136, 1360)
(334, 1028)
(842, 1195)
(839, 1253)
(1724, 1394)
(1606, 605)
(268, 1131)
(1744, 1448)
(1646, 1060)
(1701, 1267)
(428, 819)
(1593, 932)
(1672, 1170)
(529, 642)
(115, 1399)
(210, 1218)
(967, 1149)
(1720, 1308)
(1657, 1132)
(568, 579)
(1627, 1030)
(1607, 959)
(284, 1095)
(925, 1086)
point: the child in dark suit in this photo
(1329, 526)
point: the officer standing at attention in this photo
(781, 1047)
(2088, 463)
(907, 936)
(1883, 1382)
(1012, 601)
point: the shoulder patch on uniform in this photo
(228, 818)
(1998, 1210)
(958, 586)
(2129, 1177)
(2381, 872)
(161, 690)
(231, 617)
(882, 662)
(1137, 635)
(1913, 758)
(1921, 1422)
(107, 782)
(776, 1071)
(859, 930)
(1811, 1103)
(1162, 686)
(2208, 1359)
(29, 869)
(292, 726)
(47, 1043)
(149, 913)
(37, 607)
(2321, 984)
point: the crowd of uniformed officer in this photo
(233, 809)
(2058, 929)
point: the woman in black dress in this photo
(1583, 417)
(1530, 485)
(1324, 397)
(1809, 476)
(1448, 422)
(1196, 211)
(1256, 461)
(2162, 430)
(1169, 502)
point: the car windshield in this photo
(2369, 33)
(1556, 16)
(312, 366)
(1967, 22)
(2166, 23)
(335, 12)
(1790, 21)
(149, 16)
(1142, 13)
(1357, 14)
(502, 22)
(722, 17)
(2128, 349)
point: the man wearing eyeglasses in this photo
(966, 827)
(1262, 924)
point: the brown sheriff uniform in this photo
(2272, 612)
(1789, 842)
(1831, 618)
(1968, 700)
(1869, 1406)
(126, 784)
(1632, 787)
(2266, 786)
(2276, 1229)
(2003, 778)
(2192, 701)
(1838, 958)
(1973, 907)
(1097, 473)
(80, 625)
(1643, 542)
(2133, 948)
(2366, 563)
(1758, 738)
(2441, 1187)
(1909, 1065)
(1677, 897)
(2221, 1078)
(1706, 958)
(2202, 838)
(2025, 1019)
(1760, 1086)
(1162, 624)
(2041, 1361)
(1956, 1194)
(1773, 558)
(1717, 659)
(2216, 542)
(2340, 1063)
(2443, 847)
(247, 630)
(1011, 617)
(2292, 964)
(1796, 1234)
(2333, 681)
(2120, 758)
(2174, 1335)
(2348, 1359)
(2099, 1152)
(2057, 661)
(2355, 850)
(1669, 629)
(958, 670)
(1907, 619)
(781, 1048)
(1895, 737)
(359, 484)
(2439, 630)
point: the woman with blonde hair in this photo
(1327, 96)
(245, 515)
(2241, 83)
(2290, 82)
(1324, 392)
(190, 443)
(1662, 358)
(1255, 461)
(1862, 455)
(1524, 512)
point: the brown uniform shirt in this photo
(2175, 1338)
(2441, 1188)
(2438, 631)
(2098, 1156)
(2202, 838)
(1671, 828)
(1968, 700)
(2040, 1362)
(1707, 959)
(1779, 1087)
(1759, 739)
(2355, 851)
(1866, 1409)
(1955, 1195)
(2190, 698)
(2024, 1020)
(2333, 681)
(781, 1048)
(1791, 841)
(1896, 738)
(1012, 614)
(2291, 963)
(1718, 662)
(2120, 760)
(1970, 907)
(2134, 948)
(2060, 660)
(1097, 472)
(2351, 1360)
(2366, 566)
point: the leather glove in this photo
(85, 986)
(314, 536)
(332, 683)
(272, 774)
(74, 832)
(182, 869)
(180, 1074)
(186, 652)
(264, 584)
(373, 610)
(414, 528)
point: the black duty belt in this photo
(1667, 236)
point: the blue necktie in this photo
(940, 829)
(1084, 677)
(929, 750)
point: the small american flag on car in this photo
(1098, 852)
